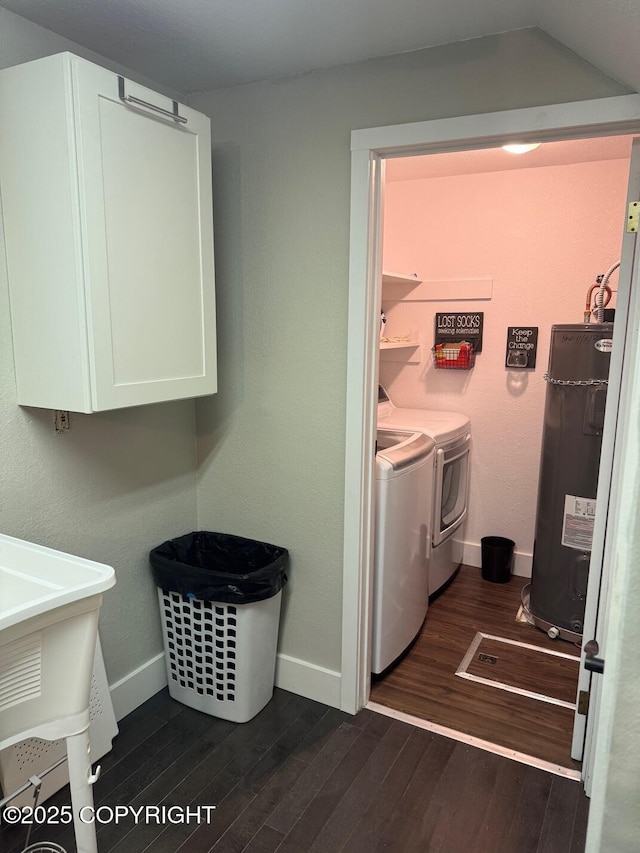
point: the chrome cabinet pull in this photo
(131, 99)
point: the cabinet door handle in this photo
(591, 662)
(131, 99)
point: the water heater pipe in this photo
(587, 304)
(600, 303)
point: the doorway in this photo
(370, 148)
(496, 234)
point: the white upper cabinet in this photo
(106, 195)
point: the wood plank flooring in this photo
(424, 683)
(303, 777)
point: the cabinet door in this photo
(145, 198)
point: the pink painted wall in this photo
(541, 235)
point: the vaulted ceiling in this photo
(197, 45)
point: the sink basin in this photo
(49, 605)
(34, 579)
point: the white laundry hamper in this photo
(220, 598)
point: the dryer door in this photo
(452, 488)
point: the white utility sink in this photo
(34, 580)
(49, 605)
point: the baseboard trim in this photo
(472, 556)
(308, 680)
(296, 676)
(141, 684)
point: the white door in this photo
(145, 178)
(610, 494)
(614, 817)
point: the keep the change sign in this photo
(522, 346)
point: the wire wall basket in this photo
(453, 356)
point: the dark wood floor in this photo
(424, 683)
(303, 777)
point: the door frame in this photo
(370, 148)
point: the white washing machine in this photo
(403, 513)
(451, 432)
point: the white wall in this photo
(113, 486)
(595, 29)
(22, 41)
(541, 235)
(271, 443)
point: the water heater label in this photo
(604, 345)
(579, 519)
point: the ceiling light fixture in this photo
(521, 148)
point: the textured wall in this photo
(605, 32)
(22, 41)
(272, 442)
(520, 229)
(114, 485)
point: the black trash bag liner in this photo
(219, 567)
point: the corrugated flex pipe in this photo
(599, 303)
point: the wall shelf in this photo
(395, 288)
(391, 278)
(398, 344)
(407, 352)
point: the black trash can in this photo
(497, 558)
(219, 600)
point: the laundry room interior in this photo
(519, 239)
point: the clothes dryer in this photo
(404, 489)
(451, 432)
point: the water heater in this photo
(579, 360)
